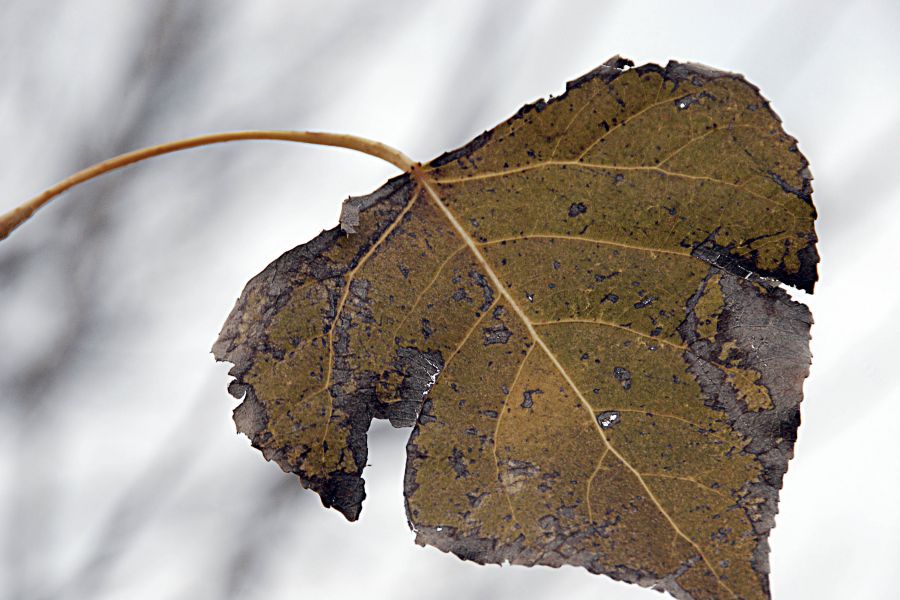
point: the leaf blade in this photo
(570, 310)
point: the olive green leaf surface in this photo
(579, 315)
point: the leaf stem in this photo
(23, 212)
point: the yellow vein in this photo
(613, 325)
(590, 482)
(665, 415)
(573, 119)
(340, 306)
(411, 309)
(693, 140)
(512, 512)
(692, 480)
(468, 334)
(673, 547)
(630, 118)
(540, 342)
(576, 238)
(652, 413)
(611, 167)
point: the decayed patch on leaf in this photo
(578, 312)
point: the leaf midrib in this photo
(426, 184)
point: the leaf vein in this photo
(629, 118)
(692, 480)
(613, 325)
(540, 342)
(340, 307)
(494, 441)
(611, 167)
(560, 236)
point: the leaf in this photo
(579, 315)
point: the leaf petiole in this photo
(23, 212)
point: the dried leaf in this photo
(579, 314)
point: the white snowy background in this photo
(120, 472)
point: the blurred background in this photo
(121, 475)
